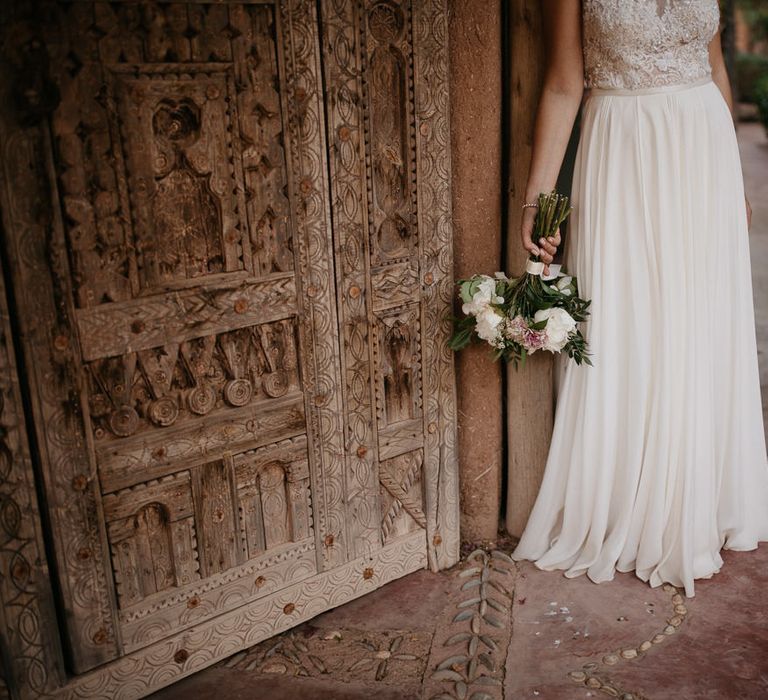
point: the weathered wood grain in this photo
(475, 42)
(147, 322)
(401, 437)
(138, 674)
(239, 379)
(31, 660)
(138, 459)
(178, 324)
(433, 210)
(529, 392)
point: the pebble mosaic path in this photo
(494, 629)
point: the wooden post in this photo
(474, 40)
(529, 392)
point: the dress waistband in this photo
(649, 90)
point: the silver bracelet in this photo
(530, 204)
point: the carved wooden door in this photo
(241, 394)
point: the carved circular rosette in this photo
(201, 399)
(237, 392)
(275, 384)
(164, 411)
(386, 21)
(123, 421)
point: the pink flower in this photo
(517, 330)
(535, 340)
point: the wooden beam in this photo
(529, 391)
(474, 39)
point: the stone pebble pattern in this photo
(344, 655)
(590, 674)
(468, 664)
(474, 668)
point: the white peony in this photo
(560, 325)
(487, 324)
(485, 294)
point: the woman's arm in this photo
(720, 78)
(561, 95)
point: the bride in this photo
(658, 456)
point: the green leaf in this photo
(464, 291)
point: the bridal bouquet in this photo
(518, 316)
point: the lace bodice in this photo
(646, 43)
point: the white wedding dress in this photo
(658, 456)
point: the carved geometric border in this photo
(31, 666)
(430, 47)
(301, 72)
(171, 659)
(349, 162)
(346, 155)
(183, 315)
(32, 229)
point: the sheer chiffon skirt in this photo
(658, 456)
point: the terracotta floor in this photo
(522, 633)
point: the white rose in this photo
(485, 294)
(488, 289)
(474, 307)
(487, 324)
(560, 325)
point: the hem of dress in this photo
(649, 576)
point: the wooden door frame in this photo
(32, 652)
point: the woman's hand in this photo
(545, 248)
(749, 213)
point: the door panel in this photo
(207, 383)
(385, 278)
(236, 364)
